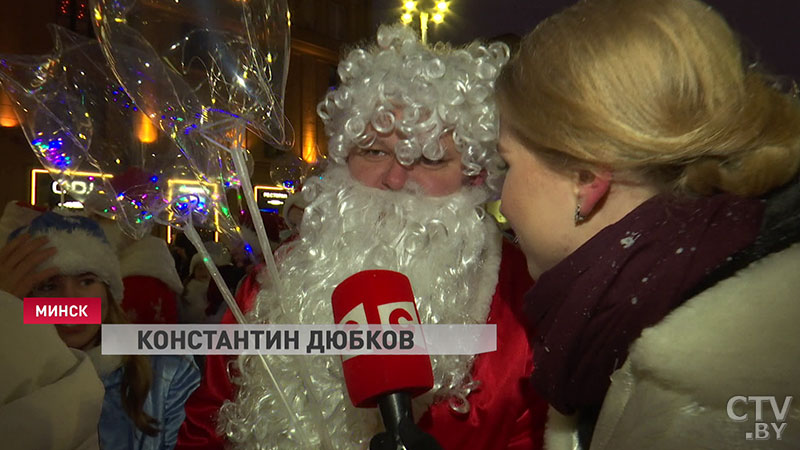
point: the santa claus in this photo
(413, 136)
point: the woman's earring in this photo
(578, 217)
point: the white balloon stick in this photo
(195, 239)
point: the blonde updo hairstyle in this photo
(438, 90)
(656, 91)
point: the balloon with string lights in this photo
(286, 171)
(82, 125)
(79, 120)
(205, 71)
(53, 120)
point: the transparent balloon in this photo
(205, 71)
(82, 125)
(202, 64)
(290, 171)
(287, 171)
(314, 169)
(53, 120)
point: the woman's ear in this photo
(590, 189)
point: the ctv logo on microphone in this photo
(739, 411)
(396, 313)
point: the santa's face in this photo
(377, 166)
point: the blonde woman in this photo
(653, 185)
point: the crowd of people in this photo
(651, 176)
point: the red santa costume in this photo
(478, 403)
(460, 269)
(152, 285)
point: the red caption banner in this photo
(62, 310)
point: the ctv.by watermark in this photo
(740, 406)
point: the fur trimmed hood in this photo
(81, 248)
(150, 257)
(16, 215)
(746, 324)
(739, 338)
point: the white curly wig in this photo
(438, 90)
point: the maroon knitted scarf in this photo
(588, 309)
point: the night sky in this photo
(770, 27)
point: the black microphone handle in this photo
(394, 407)
(396, 413)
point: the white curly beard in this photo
(446, 246)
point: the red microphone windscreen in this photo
(380, 297)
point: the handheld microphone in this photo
(387, 381)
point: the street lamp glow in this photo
(433, 11)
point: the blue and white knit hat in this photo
(82, 248)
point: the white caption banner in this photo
(351, 340)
